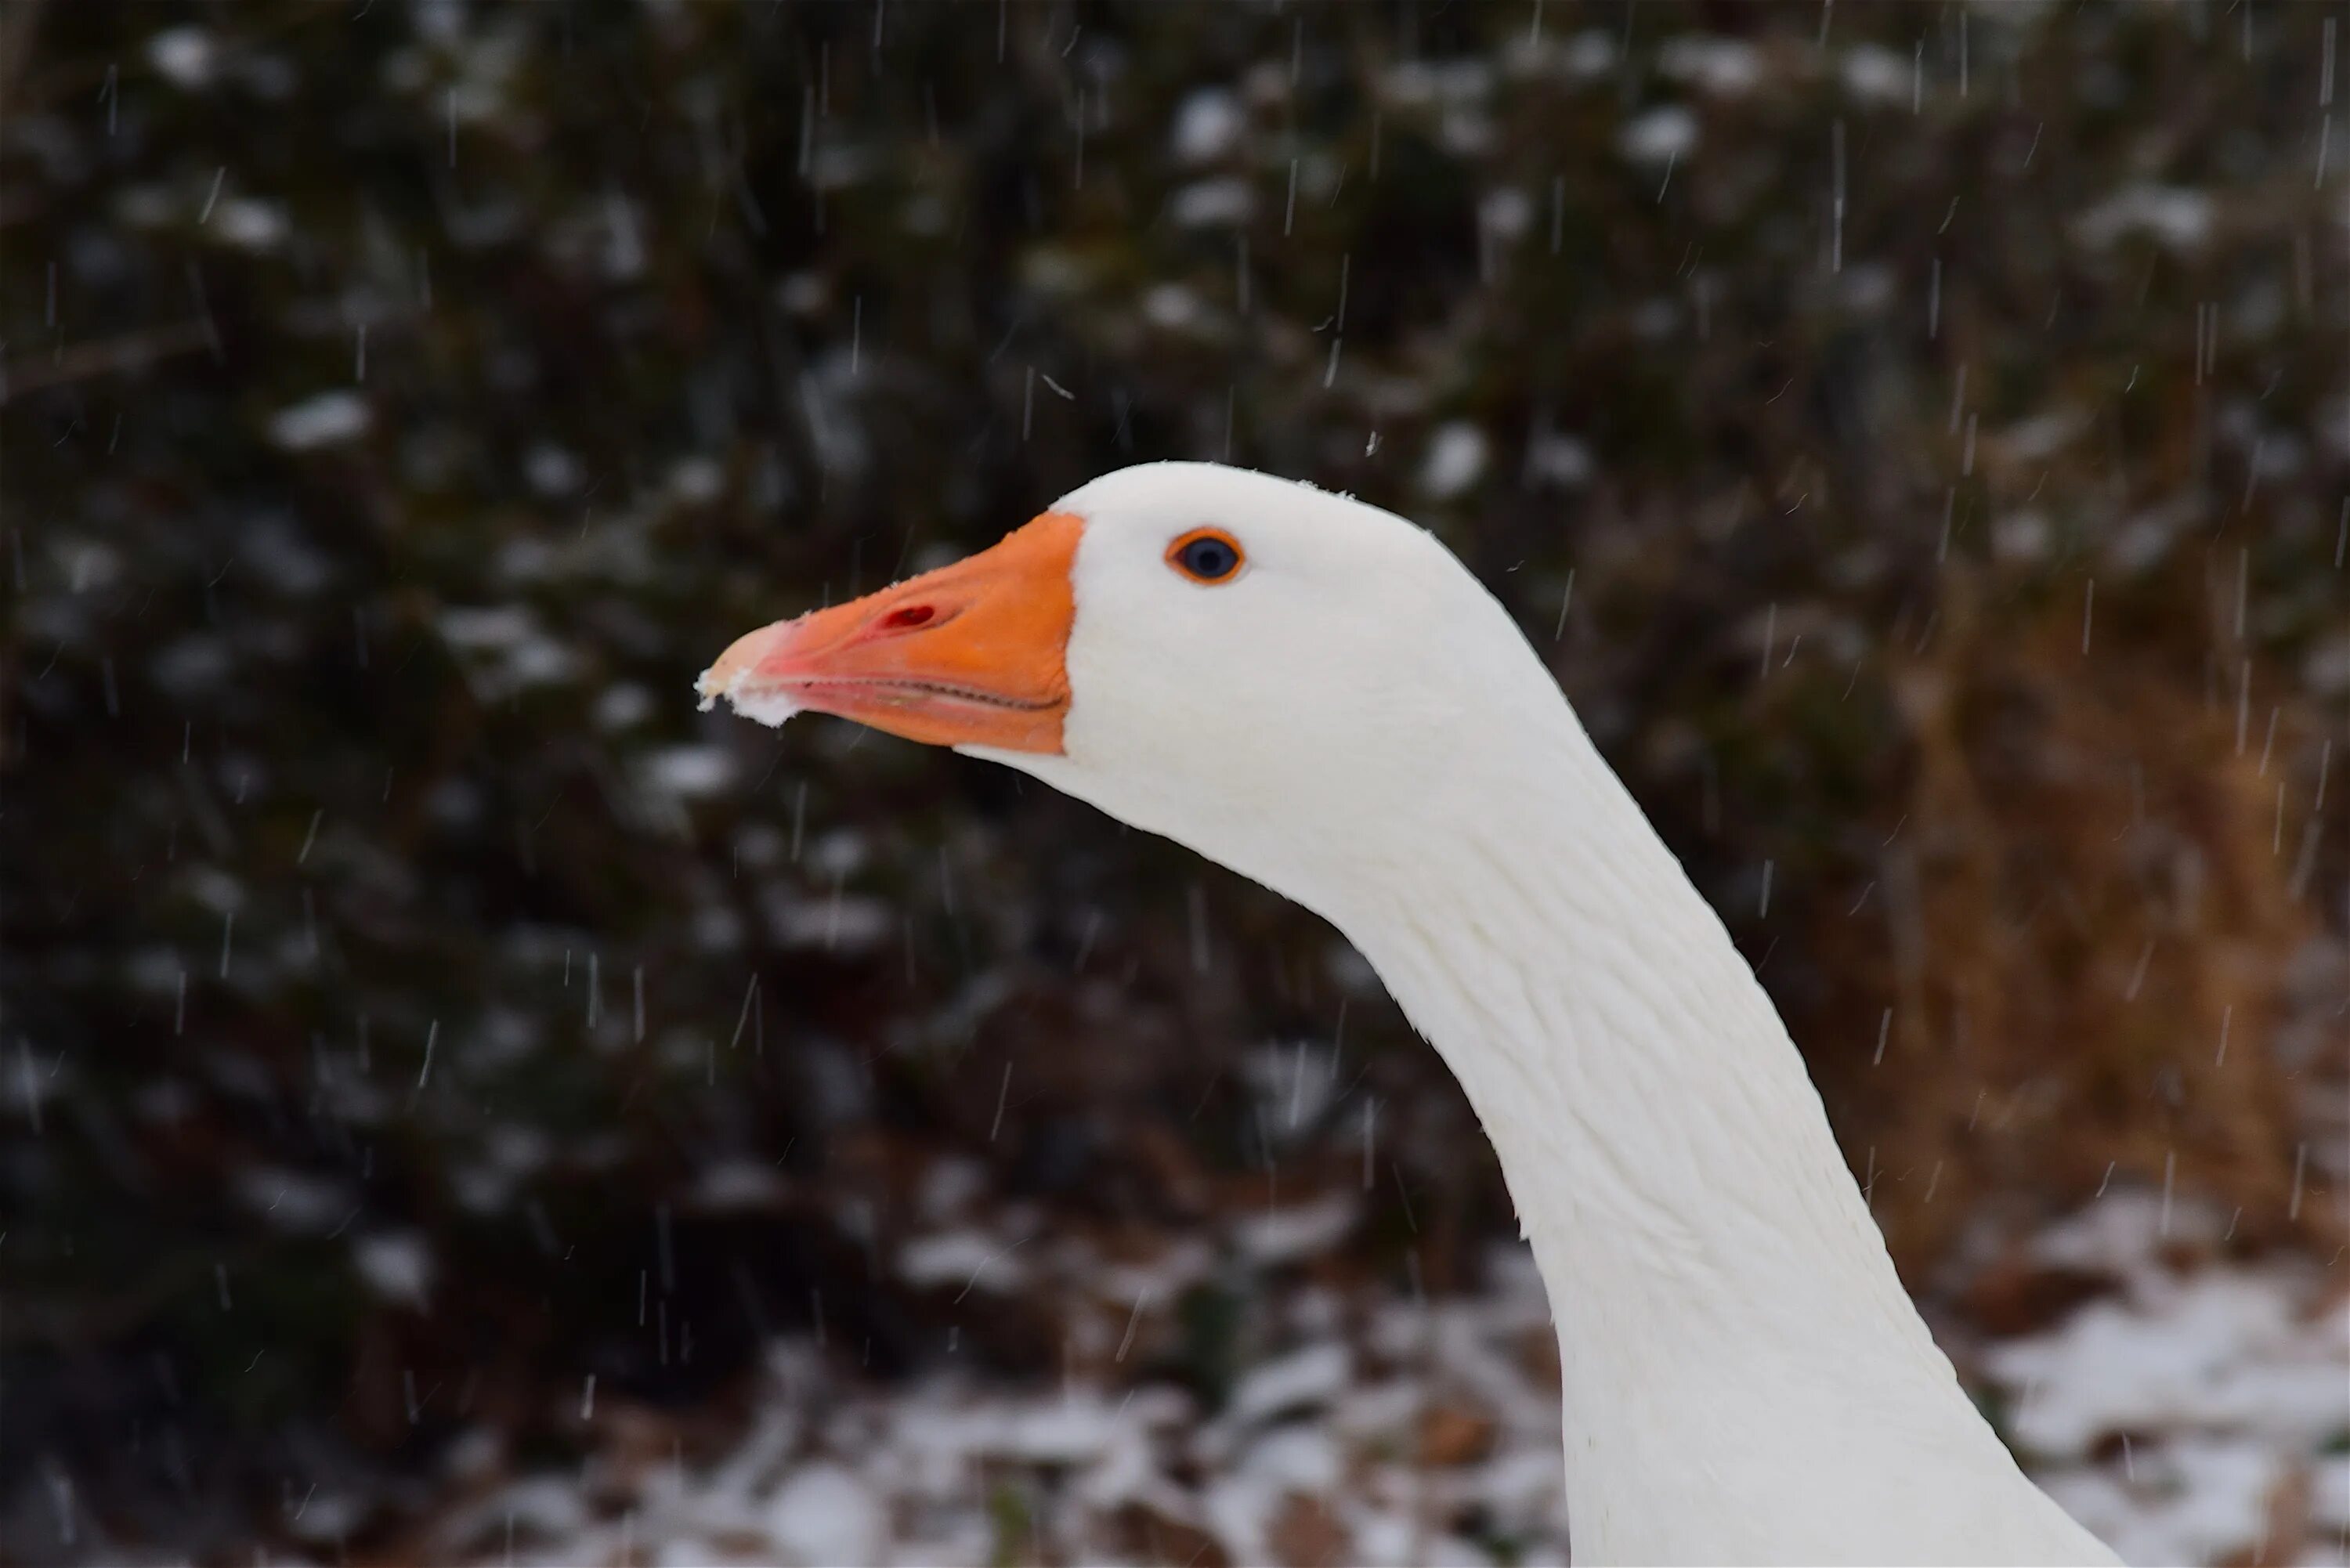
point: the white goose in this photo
(1319, 695)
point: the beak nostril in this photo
(906, 617)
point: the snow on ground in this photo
(2195, 1414)
(2196, 1411)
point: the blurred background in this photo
(459, 1103)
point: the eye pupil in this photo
(1209, 558)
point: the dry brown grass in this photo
(2083, 900)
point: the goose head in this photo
(1317, 694)
(1285, 680)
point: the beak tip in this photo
(730, 678)
(714, 683)
(725, 677)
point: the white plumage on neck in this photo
(1743, 1377)
(1356, 723)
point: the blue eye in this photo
(1206, 555)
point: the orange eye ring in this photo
(1209, 557)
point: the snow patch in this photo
(2171, 215)
(2219, 1350)
(1208, 125)
(2327, 667)
(2020, 537)
(294, 1201)
(1726, 67)
(323, 420)
(551, 470)
(186, 57)
(505, 649)
(1309, 1378)
(689, 772)
(1285, 1235)
(696, 481)
(1591, 54)
(770, 708)
(965, 1260)
(824, 1515)
(250, 223)
(1874, 74)
(1212, 204)
(1455, 461)
(1172, 306)
(623, 706)
(396, 1265)
(1560, 461)
(1662, 135)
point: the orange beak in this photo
(971, 654)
